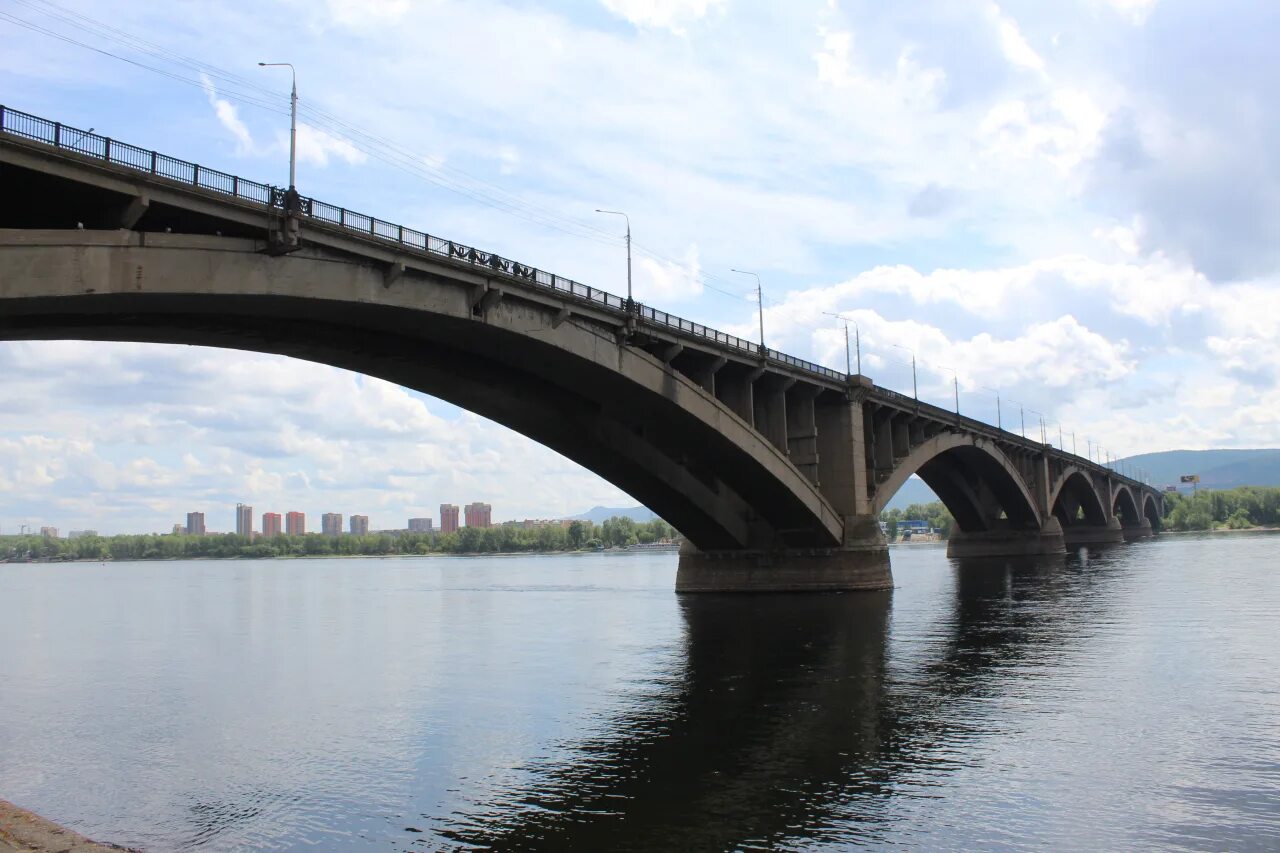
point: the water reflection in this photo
(785, 723)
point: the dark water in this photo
(1128, 700)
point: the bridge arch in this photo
(972, 477)
(566, 382)
(1124, 506)
(1151, 510)
(1074, 499)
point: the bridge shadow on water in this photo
(791, 719)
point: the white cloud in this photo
(1014, 44)
(1137, 11)
(228, 117)
(315, 146)
(671, 15)
(662, 281)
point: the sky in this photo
(1069, 205)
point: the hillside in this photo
(600, 514)
(1218, 469)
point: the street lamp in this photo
(999, 425)
(915, 389)
(857, 339)
(293, 121)
(628, 219)
(760, 302)
(955, 379)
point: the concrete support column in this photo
(861, 564)
(802, 430)
(1008, 543)
(882, 458)
(735, 391)
(843, 475)
(1078, 535)
(769, 401)
(705, 372)
(1137, 531)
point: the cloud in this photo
(228, 117)
(1014, 44)
(1137, 11)
(671, 15)
(315, 146)
(661, 281)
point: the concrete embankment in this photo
(22, 831)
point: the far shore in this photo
(286, 557)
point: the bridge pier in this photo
(1008, 543)
(1080, 535)
(862, 563)
(1137, 531)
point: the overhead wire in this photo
(379, 147)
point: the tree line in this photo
(577, 535)
(934, 512)
(1234, 509)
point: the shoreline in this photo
(23, 831)
(429, 555)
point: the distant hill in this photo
(600, 514)
(1218, 469)
(914, 491)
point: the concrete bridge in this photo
(774, 468)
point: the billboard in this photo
(1189, 478)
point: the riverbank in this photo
(22, 831)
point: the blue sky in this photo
(1071, 204)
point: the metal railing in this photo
(83, 142)
(117, 153)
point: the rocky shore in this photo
(22, 831)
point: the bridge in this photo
(774, 468)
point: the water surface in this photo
(1128, 699)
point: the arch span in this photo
(1151, 509)
(1124, 506)
(1075, 500)
(971, 476)
(562, 381)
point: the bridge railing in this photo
(118, 153)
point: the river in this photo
(1127, 699)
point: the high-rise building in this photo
(244, 520)
(359, 525)
(420, 525)
(331, 524)
(195, 524)
(178, 530)
(448, 518)
(271, 524)
(49, 532)
(295, 523)
(477, 514)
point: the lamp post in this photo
(999, 425)
(628, 219)
(293, 121)
(857, 341)
(915, 389)
(759, 302)
(955, 382)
